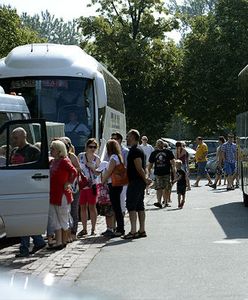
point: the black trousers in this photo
(115, 198)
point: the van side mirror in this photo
(100, 90)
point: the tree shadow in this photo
(233, 218)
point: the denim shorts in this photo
(201, 168)
(229, 168)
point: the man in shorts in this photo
(136, 171)
(229, 151)
(22, 153)
(163, 161)
(201, 160)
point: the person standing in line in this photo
(22, 153)
(163, 160)
(219, 162)
(229, 154)
(136, 171)
(181, 183)
(89, 162)
(124, 152)
(75, 189)
(201, 160)
(62, 175)
(148, 149)
(115, 158)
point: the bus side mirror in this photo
(100, 90)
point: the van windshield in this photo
(68, 100)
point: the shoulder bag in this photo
(119, 175)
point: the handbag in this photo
(82, 181)
(103, 194)
(119, 175)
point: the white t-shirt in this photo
(148, 149)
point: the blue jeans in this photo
(74, 213)
(25, 243)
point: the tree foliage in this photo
(12, 32)
(129, 37)
(215, 51)
(52, 29)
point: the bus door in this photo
(24, 178)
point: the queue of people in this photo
(135, 169)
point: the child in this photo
(181, 183)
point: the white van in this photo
(12, 108)
(24, 192)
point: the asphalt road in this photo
(200, 252)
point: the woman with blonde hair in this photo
(62, 175)
(115, 158)
(89, 161)
(75, 189)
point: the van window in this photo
(22, 147)
(3, 118)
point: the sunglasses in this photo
(92, 147)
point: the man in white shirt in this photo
(148, 149)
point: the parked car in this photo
(212, 145)
(211, 164)
(172, 145)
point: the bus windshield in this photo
(69, 100)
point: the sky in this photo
(59, 8)
(68, 10)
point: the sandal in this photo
(130, 236)
(141, 234)
(82, 233)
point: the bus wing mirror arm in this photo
(101, 91)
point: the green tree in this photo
(189, 9)
(129, 37)
(52, 29)
(12, 32)
(215, 52)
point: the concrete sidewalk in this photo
(64, 266)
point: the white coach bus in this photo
(62, 83)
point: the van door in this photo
(24, 178)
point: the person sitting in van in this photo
(3, 159)
(23, 152)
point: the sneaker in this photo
(109, 234)
(213, 186)
(37, 248)
(21, 254)
(157, 204)
(118, 234)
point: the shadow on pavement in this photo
(233, 218)
(93, 239)
(117, 242)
